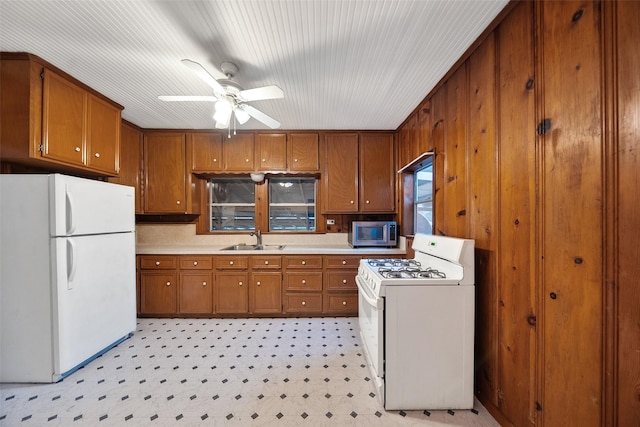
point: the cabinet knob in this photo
(230, 262)
(295, 160)
(195, 262)
(264, 160)
(304, 262)
(266, 263)
(344, 281)
(352, 202)
(168, 283)
(258, 283)
(304, 303)
(344, 262)
(240, 283)
(246, 160)
(304, 282)
(344, 303)
(367, 202)
(96, 155)
(204, 283)
(177, 202)
(77, 149)
(157, 262)
(215, 160)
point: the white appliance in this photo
(416, 319)
(67, 280)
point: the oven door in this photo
(370, 320)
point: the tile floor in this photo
(192, 372)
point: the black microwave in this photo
(373, 233)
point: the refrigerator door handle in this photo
(71, 226)
(71, 264)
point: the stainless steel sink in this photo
(253, 248)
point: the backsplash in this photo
(185, 234)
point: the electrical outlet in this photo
(331, 222)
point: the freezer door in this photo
(95, 295)
(83, 206)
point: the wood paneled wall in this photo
(537, 141)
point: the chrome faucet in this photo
(258, 235)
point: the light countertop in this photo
(287, 250)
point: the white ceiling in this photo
(342, 64)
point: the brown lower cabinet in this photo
(253, 285)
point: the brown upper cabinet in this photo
(359, 173)
(51, 120)
(165, 178)
(212, 152)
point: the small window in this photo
(233, 204)
(423, 199)
(292, 204)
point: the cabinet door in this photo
(130, 161)
(158, 292)
(231, 294)
(63, 124)
(205, 150)
(164, 167)
(377, 174)
(196, 293)
(341, 173)
(265, 296)
(238, 152)
(103, 136)
(303, 152)
(271, 152)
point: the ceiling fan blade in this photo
(172, 98)
(260, 116)
(204, 75)
(259, 93)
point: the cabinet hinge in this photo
(42, 74)
(41, 148)
(538, 406)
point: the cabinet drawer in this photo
(266, 262)
(231, 262)
(303, 303)
(341, 280)
(347, 303)
(303, 281)
(158, 262)
(301, 261)
(196, 263)
(341, 261)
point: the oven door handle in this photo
(370, 299)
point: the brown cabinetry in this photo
(340, 178)
(359, 173)
(195, 295)
(303, 284)
(302, 152)
(51, 120)
(271, 152)
(265, 287)
(341, 292)
(165, 174)
(238, 153)
(131, 162)
(377, 174)
(158, 285)
(205, 151)
(232, 287)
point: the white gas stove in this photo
(416, 320)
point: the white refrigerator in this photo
(67, 273)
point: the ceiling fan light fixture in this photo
(241, 115)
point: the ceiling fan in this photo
(231, 100)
